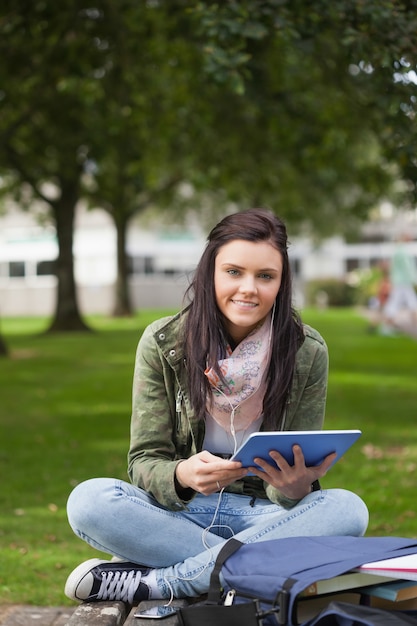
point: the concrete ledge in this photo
(27, 615)
(99, 614)
(85, 614)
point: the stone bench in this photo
(117, 613)
(99, 614)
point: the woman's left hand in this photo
(293, 481)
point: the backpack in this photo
(265, 578)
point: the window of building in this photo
(17, 269)
(140, 265)
(295, 265)
(148, 265)
(45, 268)
(352, 264)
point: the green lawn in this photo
(64, 417)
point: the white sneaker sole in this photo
(77, 575)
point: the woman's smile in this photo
(244, 304)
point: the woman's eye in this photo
(265, 276)
(233, 272)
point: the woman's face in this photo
(247, 278)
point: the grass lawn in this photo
(65, 412)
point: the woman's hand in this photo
(293, 481)
(206, 473)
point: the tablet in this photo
(315, 444)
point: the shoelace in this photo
(119, 585)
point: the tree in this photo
(3, 347)
(93, 107)
(337, 79)
(140, 160)
(45, 117)
(306, 107)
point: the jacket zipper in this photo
(178, 410)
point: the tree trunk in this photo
(67, 316)
(3, 347)
(123, 303)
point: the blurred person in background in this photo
(378, 301)
(402, 297)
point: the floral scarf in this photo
(238, 403)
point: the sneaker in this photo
(96, 580)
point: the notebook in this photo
(315, 444)
(397, 567)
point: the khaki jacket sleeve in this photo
(152, 455)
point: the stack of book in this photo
(377, 583)
(403, 571)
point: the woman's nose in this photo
(248, 285)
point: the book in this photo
(315, 444)
(404, 567)
(396, 591)
(350, 580)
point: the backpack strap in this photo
(228, 548)
(282, 600)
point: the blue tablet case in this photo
(315, 444)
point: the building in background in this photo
(161, 261)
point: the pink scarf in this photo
(238, 403)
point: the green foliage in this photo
(330, 292)
(140, 96)
(367, 283)
(65, 412)
(226, 29)
(331, 83)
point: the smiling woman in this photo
(247, 278)
(236, 360)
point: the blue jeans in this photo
(125, 521)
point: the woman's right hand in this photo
(206, 473)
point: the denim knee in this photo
(355, 514)
(85, 503)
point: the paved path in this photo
(21, 615)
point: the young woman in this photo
(235, 361)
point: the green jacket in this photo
(165, 430)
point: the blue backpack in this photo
(268, 576)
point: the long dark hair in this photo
(205, 339)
